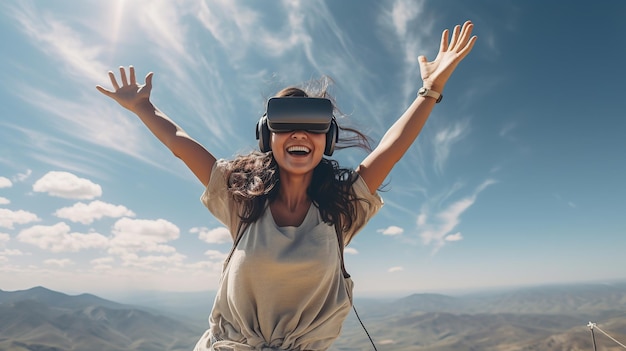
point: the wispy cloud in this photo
(436, 225)
(61, 42)
(399, 19)
(89, 116)
(20, 177)
(445, 139)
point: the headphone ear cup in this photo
(332, 136)
(263, 135)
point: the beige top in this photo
(283, 288)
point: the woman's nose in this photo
(298, 134)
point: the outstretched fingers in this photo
(444, 41)
(123, 76)
(149, 80)
(133, 81)
(465, 36)
(114, 81)
(104, 91)
(455, 38)
(461, 38)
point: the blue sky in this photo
(517, 178)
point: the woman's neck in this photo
(293, 191)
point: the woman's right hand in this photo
(130, 95)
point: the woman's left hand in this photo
(435, 74)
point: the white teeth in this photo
(298, 148)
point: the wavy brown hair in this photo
(253, 179)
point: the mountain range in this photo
(39, 319)
(537, 318)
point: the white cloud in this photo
(438, 228)
(20, 177)
(454, 237)
(229, 23)
(395, 269)
(444, 141)
(350, 251)
(163, 23)
(87, 213)
(391, 230)
(61, 263)
(5, 182)
(202, 267)
(78, 53)
(57, 238)
(8, 217)
(102, 260)
(216, 255)
(4, 238)
(421, 219)
(153, 262)
(103, 263)
(400, 20)
(212, 236)
(67, 185)
(403, 12)
(4, 201)
(134, 235)
(14, 252)
(61, 42)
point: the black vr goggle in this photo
(286, 114)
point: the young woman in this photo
(290, 212)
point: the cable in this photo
(363, 325)
(594, 325)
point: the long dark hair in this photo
(253, 179)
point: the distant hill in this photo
(530, 319)
(39, 319)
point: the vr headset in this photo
(286, 114)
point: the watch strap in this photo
(423, 91)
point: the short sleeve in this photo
(218, 199)
(368, 205)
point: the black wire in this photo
(363, 325)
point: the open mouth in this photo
(298, 150)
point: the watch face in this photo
(422, 91)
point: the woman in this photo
(290, 212)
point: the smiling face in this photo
(298, 152)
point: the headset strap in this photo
(341, 245)
(241, 228)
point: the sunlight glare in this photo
(117, 20)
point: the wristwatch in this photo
(425, 92)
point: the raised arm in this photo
(136, 98)
(377, 165)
